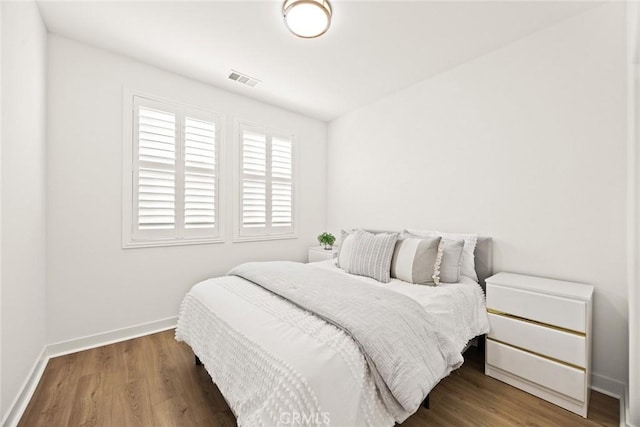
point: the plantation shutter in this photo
(266, 183)
(200, 168)
(281, 184)
(175, 166)
(155, 156)
(254, 182)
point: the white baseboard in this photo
(608, 386)
(624, 408)
(20, 402)
(613, 388)
(72, 346)
(110, 337)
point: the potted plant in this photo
(327, 239)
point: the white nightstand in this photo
(540, 338)
(319, 253)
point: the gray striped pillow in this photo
(371, 255)
(414, 260)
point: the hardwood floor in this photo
(152, 381)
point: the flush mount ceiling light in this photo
(307, 18)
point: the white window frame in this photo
(269, 234)
(131, 236)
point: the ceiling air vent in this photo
(243, 78)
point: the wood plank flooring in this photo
(152, 381)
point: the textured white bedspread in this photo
(277, 364)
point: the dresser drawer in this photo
(564, 346)
(553, 310)
(552, 375)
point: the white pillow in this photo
(345, 249)
(468, 267)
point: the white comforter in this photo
(277, 364)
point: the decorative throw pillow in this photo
(448, 262)
(345, 249)
(468, 268)
(414, 260)
(371, 255)
(450, 257)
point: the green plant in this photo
(327, 239)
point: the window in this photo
(171, 194)
(266, 184)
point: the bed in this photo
(279, 358)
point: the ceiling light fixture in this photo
(307, 18)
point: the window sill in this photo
(161, 243)
(245, 239)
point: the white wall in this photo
(633, 191)
(93, 284)
(525, 144)
(633, 403)
(1, 410)
(23, 194)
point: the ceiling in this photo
(372, 49)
